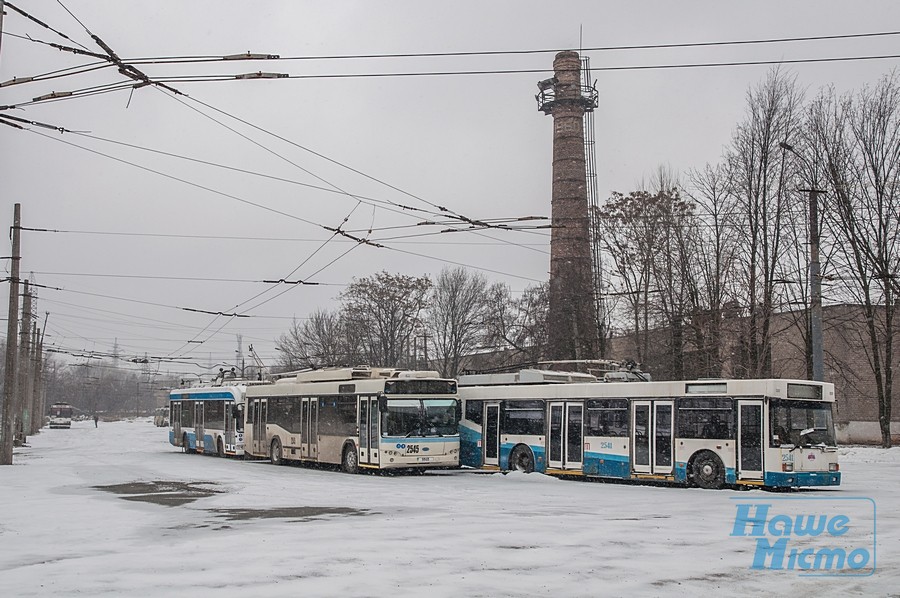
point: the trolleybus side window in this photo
(706, 417)
(607, 417)
(285, 412)
(337, 415)
(215, 414)
(249, 414)
(187, 414)
(475, 411)
(523, 417)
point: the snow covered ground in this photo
(261, 530)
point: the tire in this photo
(185, 445)
(275, 455)
(350, 459)
(220, 447)
(707, 471)
(521, 459)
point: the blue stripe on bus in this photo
(802, 478)
(194, 396)
(469, 449)
(418, 440)
(730, 475)
(607, 465)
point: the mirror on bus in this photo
(382, 404)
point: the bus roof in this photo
(771, 387)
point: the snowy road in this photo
(259, 530)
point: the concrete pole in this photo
(815, 290)
(23, 408)
(12, 331)
(32, 397)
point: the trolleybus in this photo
(208, 419)
(361, 417)
(707, 433)
(60, 415)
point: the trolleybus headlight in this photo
(787, 467)
(834, 467)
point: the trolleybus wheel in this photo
(275, 454)
(521, 459)
(220, 447)
(350, 460)
(707, 471)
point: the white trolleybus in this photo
(60, 415)
(357, 417)
(209, 419)
(774, 433)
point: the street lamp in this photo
(815, 278)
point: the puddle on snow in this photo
(169, 494)
(296, 513)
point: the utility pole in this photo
(12, 331)
(39, 375)
(37, 412)
(815, 288)
(23, 410)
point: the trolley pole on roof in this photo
(12, 330)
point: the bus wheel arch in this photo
(706, 470)
(275, 453)
(350, 458)
(521, 458)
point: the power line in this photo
(190, 59)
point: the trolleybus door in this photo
(368, 430)
(491, 436)
(574, 436)
(310, 410)
(229, 423)
(640, 436)
(374, 420)
(566, 436)
(662, 437)
(198, 423)
(259, 427)
(175, 419)
(750, 440)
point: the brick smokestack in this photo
(572, 322)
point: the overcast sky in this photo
(149, 234)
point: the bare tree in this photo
(318, 341)
(756, 164)
(456, 317)
(715, 252)
(518, 326)
(859, 136)
(383, 310)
